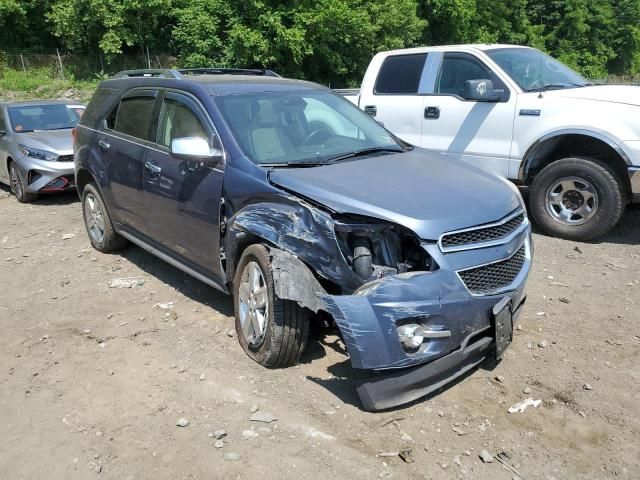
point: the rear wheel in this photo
(98, 222)
(577, 199)
(18, 187)
(272, 331)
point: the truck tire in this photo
(98, 223)
(272, 331)
(577, 199)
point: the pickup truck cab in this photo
(518, 113)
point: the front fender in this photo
(296, 228)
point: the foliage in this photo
(329, 41)
(41, 83)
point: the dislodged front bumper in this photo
(439, 300)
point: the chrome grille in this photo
(489, 233)
(495, 276)
(65, 158)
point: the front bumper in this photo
(385, 390)
(46, 177)
(439, 300)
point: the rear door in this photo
(182, 197)
(123, 142)
(478, 133)
(395, 99)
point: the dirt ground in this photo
(95, 377)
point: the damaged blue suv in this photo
(305, 209)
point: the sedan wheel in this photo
(16, 182)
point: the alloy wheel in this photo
(254, 304)
(94, 218)
(16, 183)
(572, 201)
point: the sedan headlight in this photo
(38, 154)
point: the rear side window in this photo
(400, 75)
(3, 124)
(134, 116)
(95, 109)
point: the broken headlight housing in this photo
(376, 249)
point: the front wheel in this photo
(272, 331)
(577, 199)
(18, 187)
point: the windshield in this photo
(302, 127)
(31, 118)
(533, 70)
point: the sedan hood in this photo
(58, 141)
(425, 192)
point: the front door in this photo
(182, 197)
(478, 133)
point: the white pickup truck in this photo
(520, 114)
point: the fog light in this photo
(411, 335)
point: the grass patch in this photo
(43, 83)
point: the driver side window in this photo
(177, 120)
(457, 68)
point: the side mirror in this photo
(481, 91)
(196, 149)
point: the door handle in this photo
(152, 167)
(371, 110)
(432, 113)
(104, 146)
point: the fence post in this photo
(61, 66)
(148, 59)
(24, 69)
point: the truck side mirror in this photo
(481, 91)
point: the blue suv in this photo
(306, 209)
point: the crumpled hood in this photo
(58, 141)
(625, 94)
(426, 192)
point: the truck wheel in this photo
(577, 199)
(17, 185)
(272, 331)
(98, 222)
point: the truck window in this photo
(178, 121)
(457, 68)
(400, 75)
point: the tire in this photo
(98, 222)
(577, 199)
(18, 186)
(282, 335)
(362, 258)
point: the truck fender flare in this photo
(530, 155)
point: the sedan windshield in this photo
(30, 118)
(533, 70)
(303, 128)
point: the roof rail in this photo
(228, 71)
(159, 73)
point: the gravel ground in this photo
(97, 374)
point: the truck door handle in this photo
(104, 146)
(371, 110)
(152, 167)
(432, 112)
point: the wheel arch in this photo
(574, 143)
(83, 178)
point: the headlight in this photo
(39, 154)
(376, 249)
(516, 190)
